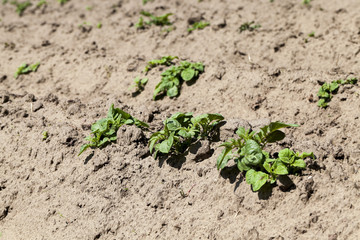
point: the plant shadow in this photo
(175, 161)
(89, 157)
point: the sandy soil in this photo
(121, 192)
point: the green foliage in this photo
(25, 69)
(104, 130)
(41, 3)
(166, 61)
(312, 34)
(198, 25)
(327, 90)
(250, 157)
(21, 6)
(99, 25)
(306, 2)
(158, 21)
(139, 84)
(146, 1)
(250, 26)
(181, 130)
(173, 77)
(45, 135)
(63, 1)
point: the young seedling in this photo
(158, 21)
(327, 90)
(45, 135)
(139, 84)
(99, 25)
(104, 130)
(166, 61)
(174, 76)
(249, 26)
(250, 156)
(62, 2)
(26, 68)
(41, 3)
(180, 131)
(198, 25)
(306, 2)
(21, 6)
(312, 34)
(146, 1)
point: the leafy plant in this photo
(158, 21)
(166, 61)
(306, 2)
(180, 131)
(250, 26)
(173, 77)
(104, 130)
(139, 84)
(21, 6)
(99, 25)
(250, 156)
(25, 69)
(198, 25)
(327, 90)
(312, 34)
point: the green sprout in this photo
(104, 130)
(26, 68)
(327, 90)
(158, 21)
(139, 84)
(21, 6)
(249, 26)
(198, 25)
(180, 131)
(166, 61)
(41, 3)
(45, 135)
(174, 76)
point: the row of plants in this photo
(181, 130)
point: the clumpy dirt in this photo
(120, 192)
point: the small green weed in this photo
(158, 21)
(41, 3)
(249, 26)
(99, 25)
(63, 1)
(21, 6)
(26, 68)
(146, 1)
(250, 157)
(180, 131)
(198, 25)
(104, 130)
(327, 90)
(173, 77)
(312, 34)
(166, 61)
(306, 2)
(139, 84)
(45, 135)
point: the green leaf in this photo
(286, 156)
(256, 179)
(166, 145)
(305, 155)
(223, 158)
(83, 148)
(279, 168)
(173, 91)
(275, 136)
(252, 154)
(188, 74)
(299, 163)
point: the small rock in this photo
(218, 24)
(229, 129)
(194, 19)
(200, 150)
(37, 106)
(220, 215)
(30, 98)
(3, 78)
(51, 98)
(132, 66)
(5, 98)
(73, 109)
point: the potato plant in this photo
(26, 68)
(250, 156)
(327, 90)
(165, 61)
(104, 130)
(180, 131)
(156, 20)
(174, 76)
(198, 25)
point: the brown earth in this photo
(121, 192)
